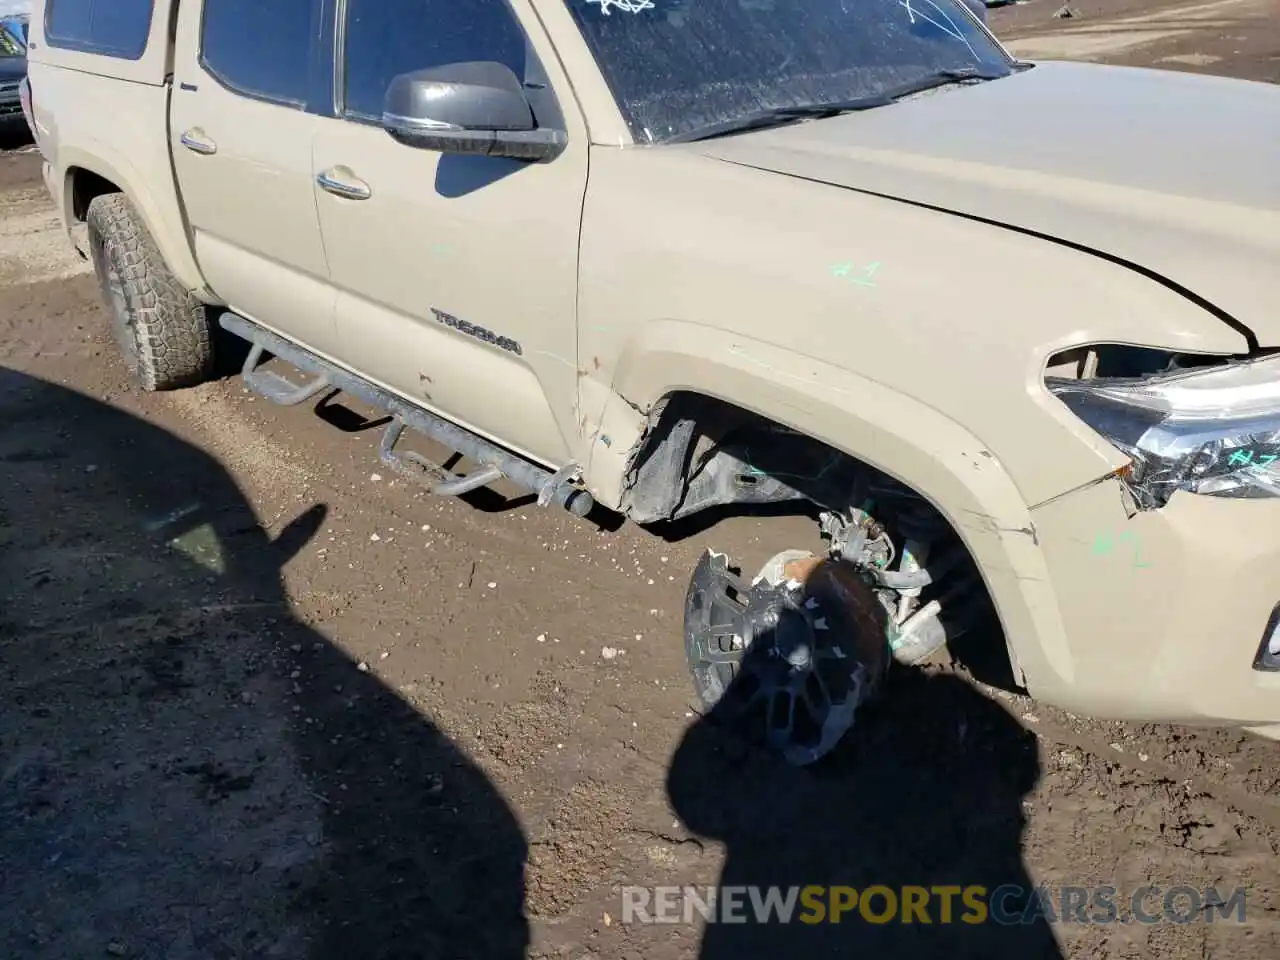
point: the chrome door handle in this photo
(355, 189)
(194, 142)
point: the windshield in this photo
(677, 66)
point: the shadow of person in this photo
(926, 792)
(187, 770)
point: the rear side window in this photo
(261, 49)
(113, 28)
(386, 38)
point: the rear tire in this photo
(161, 328)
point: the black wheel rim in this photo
(773, 660)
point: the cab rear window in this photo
(112, 28)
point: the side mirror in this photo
(477, 107)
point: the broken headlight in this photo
(1213, 431)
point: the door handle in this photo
(353, 189)
(194, 141)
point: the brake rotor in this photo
(791, 655)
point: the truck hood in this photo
(1174, 175)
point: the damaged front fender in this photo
(866, 422)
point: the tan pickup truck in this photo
(1008, 331)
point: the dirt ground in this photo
(260, 699)
(1234, 38)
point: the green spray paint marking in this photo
(845, 271)
(1105, 544)
(1244, 458)
(754, 471)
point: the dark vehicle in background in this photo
(13, 71)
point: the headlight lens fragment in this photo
(1214, 432)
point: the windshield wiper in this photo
(778, 116)
(942, 78)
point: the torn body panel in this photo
(729, 290)
(700, 454)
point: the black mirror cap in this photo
(537, 145)
(477, 107)
(479, 95)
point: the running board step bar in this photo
(275, 387)
(553, 489)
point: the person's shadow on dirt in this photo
(186, 769)
(925, 793)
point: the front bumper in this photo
(10, 99)
(1164, 611)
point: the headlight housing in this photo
(1212, 431)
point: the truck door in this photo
(456, 274)
(241, 132)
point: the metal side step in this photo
(418, 467)
(553, 489)
(275, 387)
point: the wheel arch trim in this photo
(162, 217)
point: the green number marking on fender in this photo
(1105, 544)
(845, 272)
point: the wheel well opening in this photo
(87, 186)
(703, 454)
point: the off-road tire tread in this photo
(171, 327)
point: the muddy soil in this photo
(260, 699)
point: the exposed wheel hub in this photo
(790, 655)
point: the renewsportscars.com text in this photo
(1008, 904)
